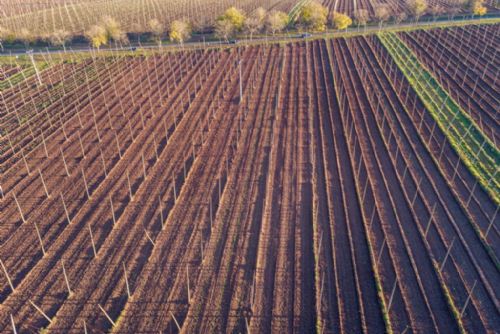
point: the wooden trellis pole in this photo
(447, 254)
(86, 185)
(392, 294)
(201, 247)
(118, 146)
(241, 81)
(126, 280)
(43, 183)
(129, 186)
(491, 223)
(66, 278)
(40, 311)
(211, 214)
(25, 162)
(64, 161)
(430, 220)
(175, 190)
(162, 219)
(381, 250)
(175, 320)
(92, 241)
(247, 325)
(187, 282)
(155, 149)
(81, 145)
(106, 315)
(39, 78)
(65, 209)
(149, 238)
(7, 276)
(143, 165)
(103, 164)
(468, 299)
(39, 238)
(13, 324)
(19, 208)
(112, 210)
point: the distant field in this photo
(42, 17)
(76, 16)
(349, 6)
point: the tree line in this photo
(313, 17)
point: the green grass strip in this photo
(475, 149)
(21, 76)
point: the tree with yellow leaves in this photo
(341, 21)
(417, 8)
(113, 30)
(478, 8)
(180, 31)
(313, 16)
(97, 36)
(233, 20)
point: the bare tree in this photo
(156, 29)
(59, 38)
(255, 22)
(400, 17)
(417, 8)
(361, 16)
(436, 10)
(277, 21)
(26, 36)
(6, 36)
(137, 29)
(382, 14)
(224, 29)
(113, 30)
(452, 11)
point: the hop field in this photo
(326, 185)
